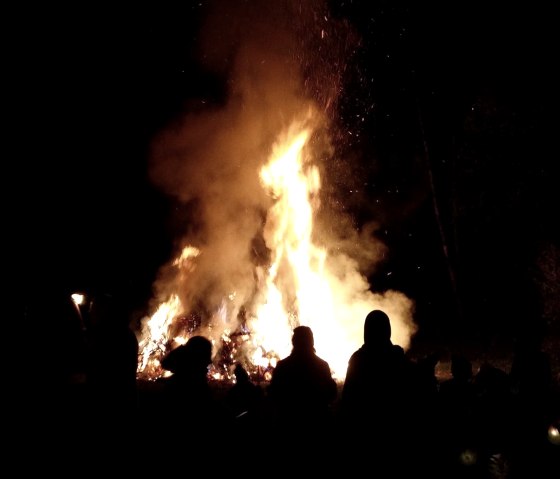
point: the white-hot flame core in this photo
(78, 299)
(303, 283)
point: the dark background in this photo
(458, 108)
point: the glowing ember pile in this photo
(296, 279)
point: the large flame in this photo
(302, 283)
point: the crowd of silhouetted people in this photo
(390, 417)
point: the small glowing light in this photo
(78, 299)
(468, 457)
(554, 435)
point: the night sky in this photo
(451, 113)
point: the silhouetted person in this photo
(191, 412)
(188, 386)
(457, 401)
(302, 390)
(457, 393)
(536, 406)
(493, 416)
(375, 399)
(111, 378)
(461, 377)
(55, 337)
(113, 356)
(244, 398)
(531, 373)
(425, 376)
(244, 403)
(51, 366)
(424, 413)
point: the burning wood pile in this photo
(231, 349)
(308, 270)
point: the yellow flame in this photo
(78, 299)
(153, 347)
(293, 182)
(299, 286)
(185, 258)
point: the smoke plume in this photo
(281, 63)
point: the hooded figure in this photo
(188, 387)
(302, 386)
(377, 377)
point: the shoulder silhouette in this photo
(189, 365)
(377, 373)
(302, 391)
(375, 400)
(302, 384)
(190, 411)
(244, 397)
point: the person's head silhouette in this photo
(377, 328)
(302, 340)
(461, 368)
(241, 374)
(194, 356)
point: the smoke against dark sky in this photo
(213, 158)
(98, 87)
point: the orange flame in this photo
(303, 284)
